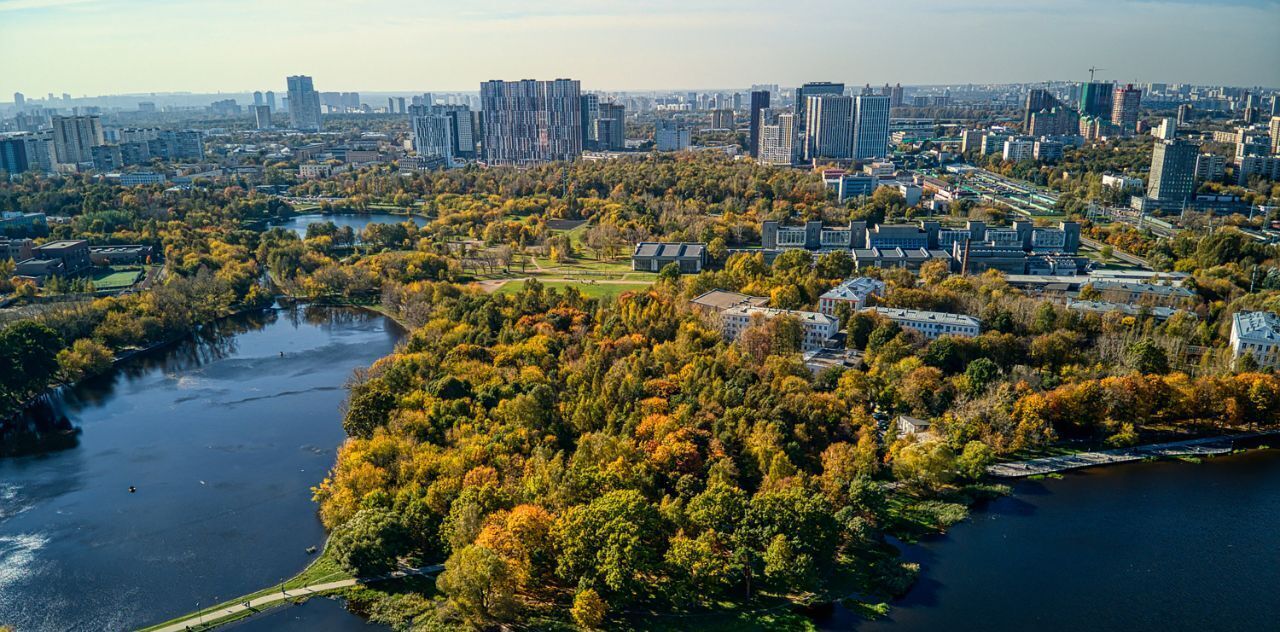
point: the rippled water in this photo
(222, 435)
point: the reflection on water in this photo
(223, 434)
(1145, 546)
(298, 223)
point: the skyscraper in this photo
(871, 127)
(759, 102)
(528, 121)
(1173, 171)
(1275, 134)
(811, 89)
(13, 155)
(590, 114)
(777, 136)
(257, 98)
(304, 104)
(829, 128)
(19, 100)
(895, 96)
(722, 119)
(1095, 98)
(74, 138)
(270, 100)
(1124, 107)
(1037, 99)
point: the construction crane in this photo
(1093, 69)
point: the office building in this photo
(817, 328)
(1125, 105)
(529, 122)
(262, 116)
(73, 255)
(871, 127)
(74, 138)
(931, 325)
(777, 137)
(829, 129)
(852, 292)
(670, 135)
(1096, 98)
(759, 103)
(304, 104)
(1256, 334)
(1173, 171)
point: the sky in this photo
(98, 47)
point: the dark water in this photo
(299, 223)
(223, 438)
(315, 614)
(1149, 546)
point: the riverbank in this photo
(1202, 447)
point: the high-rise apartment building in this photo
(777, 136)
(722, 119)
(19, 100)
(1125, 105)
(269, 100)
(590, 114)
(895, 95)
(13, 155)
(759, 103)
(433, 137)
(257, 98)
(870, 127)
(1038, 99)
(462, 132)
(262, 116)
(829, 128)
(74, 138)
(1275, 134)
(670, 135)
(611, 127)
(304, 104)
(528, 121)
(1095, 98)
(1173, 171)
(813, 89)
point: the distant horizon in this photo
(117, 47)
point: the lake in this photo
(223, 434)
(299, 223)
(1144, 546)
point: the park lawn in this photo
(585, 265)
(588, 289)
(116, 278)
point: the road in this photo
(206, 620)
(1133, 260)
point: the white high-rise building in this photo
(871, 127)
(304, 104)
(262, 116)
(829, 128)
(669, 135)
(777, 137)
(528, 121)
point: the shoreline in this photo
(1198, 447)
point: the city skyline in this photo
(210, 47)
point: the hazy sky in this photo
(92, 47)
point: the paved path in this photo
(1048, 465)
(204, 621)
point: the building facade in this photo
(304, 104)
(1256, 334)
(529, 122)
(74, 138)
(871, 127)
(932, 325)
(817, 328)
(852, 292)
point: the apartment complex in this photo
(529, 122)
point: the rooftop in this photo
(855, 289)
(1145, 288)
(917, 315)
(1256, 326)
(1161, 313)
(665, 250)
(724, 299)
(770, 312)
(64, 244)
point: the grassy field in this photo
(588, 289)
(116, 278)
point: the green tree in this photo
(1145, 356)
(369, 543)
(588, 609)
(979, 375)
(368, 407)
(615, 541)
(479, 582)
(974, 459)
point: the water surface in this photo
(299, 223)
(222, 435)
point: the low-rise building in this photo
(72, 253)
(852, 292)
(717, 301)
(1256, 334)
(15, 249)
(818, 328)
(909, 426)
(932, 325)
(896, 257)
(119, 255)
(1158, 312)
(1138, 293)
(651, 256)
